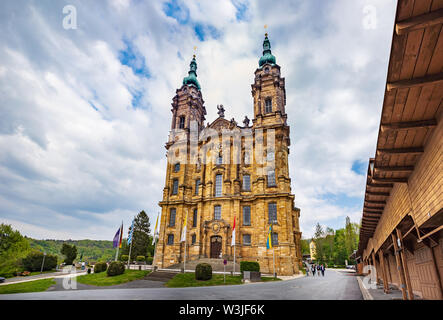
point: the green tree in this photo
(70, 253)
(319, 241)
(13, 247)
(304, 243)
(141, 238)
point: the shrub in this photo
(249, 266)
(89, 270)
(116, 268)
(124, 258)
(203, 271)
(34, 260)
(100, 267)
(149, 260)
(140, 258)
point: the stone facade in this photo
(204, 159)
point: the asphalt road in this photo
(335, 285)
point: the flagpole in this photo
(155, 243)
(186, 241)
(130, 249)
(273, 258)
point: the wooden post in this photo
(374, 263)
(388, 266)
(382, 267)
(399, 267)
(405, 265)
(436, 270)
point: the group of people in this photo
(316, 268)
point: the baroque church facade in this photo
(223, 172)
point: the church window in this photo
(271, 178)
(247, 216)
(270, 156)
(170, 239)
(247, 157)
(247, 182)
(274, 238)
(194, 219)
(219, 160)
(175, 187)
(197, 186)
(272, 212)
(177, 167)
(218, 185)
(193, 239)
(182, 122)
(268, 105)
(172, 217)
(247, 239)
(217, 212)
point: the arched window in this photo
(268, 105)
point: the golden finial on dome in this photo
(266, 27)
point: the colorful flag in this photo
(131, 232)
(233, 234)
(115, 242)
(269, 241)
(121, 236)
(183, 238)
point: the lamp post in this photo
(43, 262)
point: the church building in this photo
(225, 174)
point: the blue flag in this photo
(131, 232)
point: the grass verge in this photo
(29, 286)
(182, 280)
(102, 279)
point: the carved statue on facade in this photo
(221, 111)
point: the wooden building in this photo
(402, 224)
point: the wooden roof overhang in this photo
(412, 105)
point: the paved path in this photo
(335, 285)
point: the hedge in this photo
(100, 267)
(149, 260)
(116, 268)
(203, 271)
(34, 260)
(249, 266)
(140, 258)
(124, 258)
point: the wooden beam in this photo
(417, 82)
(399, 267)
(385, 194)
(405, 265)
(394, 169)
(416, 150)
(419, 22)
(374, 208)
(396, 180)
(372, 214)
(375, 201)
(408, 125)
(380, 185)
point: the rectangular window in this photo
(182, 122)
(170, 239)
(271, 178)
(177, 167)
(247, 182)
(247, 239)
(268, 105)
(274, 237)
(197, 186)
(193, 239)
(194, 219)
(247, 216)
(218, 185)
(272, 212)
(175, 186)
(217, 212)
(172, 218)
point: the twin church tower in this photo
(224, 172)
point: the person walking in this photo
(322, 270)
(307, 270)
(313, 269)
(318, 270)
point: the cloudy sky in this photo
(85, 112)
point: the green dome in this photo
(267, 57)
(191, 79)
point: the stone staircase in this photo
(217, 265)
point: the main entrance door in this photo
(216, 247)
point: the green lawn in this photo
(29, 286)
(102, 279)
(188, 280)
